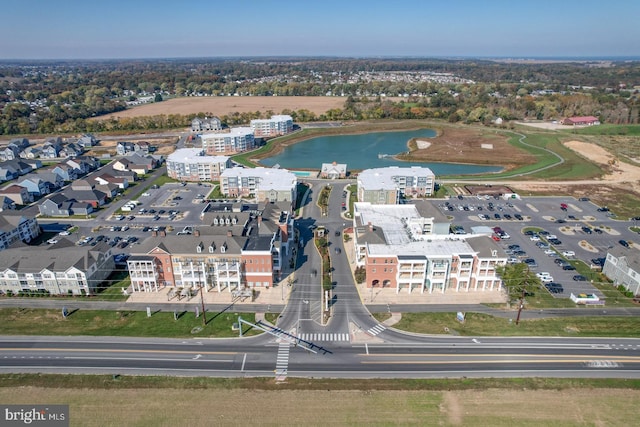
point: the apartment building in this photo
(401, 249)
(191, 164)
(15, 227)
(236, 140)
(276, 185)
(275, 126)
(234, 250)
(60, 268)
(390, 185)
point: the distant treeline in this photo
(57, 97)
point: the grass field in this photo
(477, 324)
(156, 401)
(24, 321)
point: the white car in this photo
(550, 252)
(64, 233)
(551, 236)
(568, 253)
(534, 238)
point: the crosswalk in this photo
(282, 361)
(324, 337)
(376, 330)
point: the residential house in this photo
(91, 163)
(31, 153)
(58, 205)
(62, 268)
(87, 141)
(82, 184)
(19, 194)
(581, 121)
(71, 151)
(208, 123)
(53, 180)
(14, 227)
(36, 186)
(142, 147)
(14, 148)
(6, 204)
(51, 149)
(66, 172)
(123, 148)
(33, 163)
(105, 178)
(111, 190)
(93, 197)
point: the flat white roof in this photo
(276, 118)
(233, 132)
(389, 218)
(382, 178)
(193, 155)
(270, 179)
(435, 248)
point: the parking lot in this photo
(546, 233)
(172, 206)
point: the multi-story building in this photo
(389, 185)
(208, 123)
(401, 249)
(275, 126)
(622, 266)
(190, 164)
(275, 185)
(238, 247)
(236, 140)
(14, 227)
(60, 268)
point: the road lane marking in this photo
(155, 359)
(244, 359)
(104, 350)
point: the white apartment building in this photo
(275, 185)
(389, 185)
(190, 164)
(236, 140)
(275, 126)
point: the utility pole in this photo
(204, 313)
(521, 306)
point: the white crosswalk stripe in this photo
(324, 337)
(376, 330)
(282, 361)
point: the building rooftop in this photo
(233, 132)
(194, 155)
(269, 178)
(382, 178)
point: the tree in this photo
(517, 279)
(158, 97)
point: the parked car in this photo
(579, 278)
(624, 243)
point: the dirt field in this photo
(492, 407)
(469, 145)
(223, 105)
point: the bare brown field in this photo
(223, 105)
(470, 145)
(491, 407)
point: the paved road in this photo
(263, 356)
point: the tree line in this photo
(59, 97)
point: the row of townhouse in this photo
(237, 248)
(407, 247)
(52, 148)
(191, 164)
(26, 188)
(61, 268)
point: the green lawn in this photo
(23, 321)
(606, 129)
(477, 324)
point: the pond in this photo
(364, 151)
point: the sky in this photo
(121, 29)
